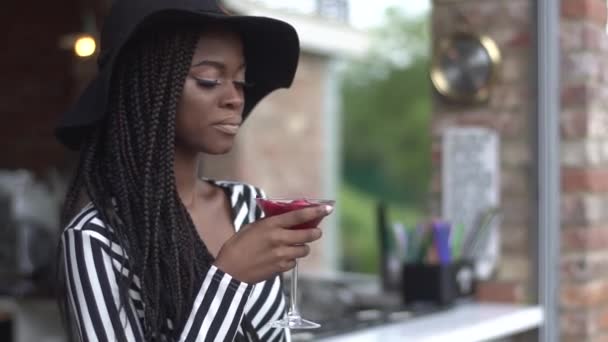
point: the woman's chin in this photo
(218, 149)
(211, 145)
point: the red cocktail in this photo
(272, 207)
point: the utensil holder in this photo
(437, 284)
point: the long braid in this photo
(165, 169)
(148, 210)
(123, 169)
(126, 170)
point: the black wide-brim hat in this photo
(271, 46)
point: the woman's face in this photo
(210, 110)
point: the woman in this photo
(152, 252)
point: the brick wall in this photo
(36, 82)
(509, 113)
(281, 146)
(584, 132)
(584, 123)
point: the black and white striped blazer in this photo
(93, 260)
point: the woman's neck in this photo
(185, 168)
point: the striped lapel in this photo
(242, 202)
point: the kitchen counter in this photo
(465, 323)
(38, 320)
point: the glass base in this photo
(294, 322)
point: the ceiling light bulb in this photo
(85, 46)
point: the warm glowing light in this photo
(85, 46)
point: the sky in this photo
(369, 13)
(363, 13)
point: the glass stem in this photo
(293, 294)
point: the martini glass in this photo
(272, 207)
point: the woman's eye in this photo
(206, 83)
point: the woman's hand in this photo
(268, 246)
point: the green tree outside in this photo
(386, 156)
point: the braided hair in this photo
(126, 170)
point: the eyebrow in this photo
(215, 64)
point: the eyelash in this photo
(214, 83)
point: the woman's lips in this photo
(227, 128)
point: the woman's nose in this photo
(235, 97)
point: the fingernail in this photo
(328, 209)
